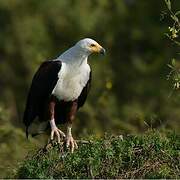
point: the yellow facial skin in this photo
(96, 48)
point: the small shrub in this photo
(152, 155)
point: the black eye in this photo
(92, 45)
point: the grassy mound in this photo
(152, 155)
(13, 148)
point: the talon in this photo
(76, 146)
(61, 133)
(72, 143)
(67, 143)
(58, 133)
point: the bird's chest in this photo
(71, 82)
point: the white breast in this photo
(72, 79)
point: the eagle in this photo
(59, 88)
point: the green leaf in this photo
(168, 3)
(177, 13)
(170, 66)
(173, 62)
(174, 18)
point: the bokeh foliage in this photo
(130, 92)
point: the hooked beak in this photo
(102, 51)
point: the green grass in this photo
(152, 155)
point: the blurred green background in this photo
(129, 93)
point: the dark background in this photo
(130, 92)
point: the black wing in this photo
(84, 93)
(41, 88)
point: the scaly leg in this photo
(54, 128)
(70, 142)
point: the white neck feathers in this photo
(74, 55)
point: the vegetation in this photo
(152, 155)
(173, 35)
(129, 94)
(13, 145)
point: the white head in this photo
(81, 50)
(90, 46)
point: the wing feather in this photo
(41, 88)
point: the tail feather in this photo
(36, 134)
(37, 128)
(27, 133)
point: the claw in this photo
(58, 133)
(70, 142)
(61, 133)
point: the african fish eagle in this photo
(59, 88)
